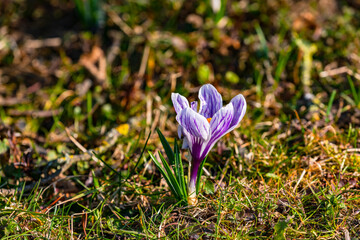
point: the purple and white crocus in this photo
(203, 128)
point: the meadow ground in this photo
(84, 85)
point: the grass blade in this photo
(172, 177)
(180, 169)
(262, 39)
(332, 97)
(283, 59)
(106, 164)
(169, 152)
(221, 13)
(199, 175)
(353, 91)
(141, 154)
(164, 174)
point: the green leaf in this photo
(283, 59)
(328, 112)
(272, 175)
(264, 48)
(173, 175)
(3, 146)
(209, 187)
(203, 73)
(221, 13)
(164, 174)
(199, 175)
(232, 77)
(166, 145)
(353, 91)
(180, 169)
(80, 7)
(96, 180)
(280, 228)
(172, 178)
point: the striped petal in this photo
(210, 101)
(194, 123)
(179, 102)
(239, 105)
(219, 126)
(221, 122)
(194, 106)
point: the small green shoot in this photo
(328, 111)
(355, 94)
(174, 175)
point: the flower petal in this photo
(185, 144)
(210, 100)
(180, 131)
(194, 106)
(219, 126)
(239, 105)
(221, 121)
(181, 134)
(179, 102)
(194, 123)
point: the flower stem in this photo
(192, 200)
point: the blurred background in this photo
(281, 54)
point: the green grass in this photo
(82, 170)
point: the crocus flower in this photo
(203, 128)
